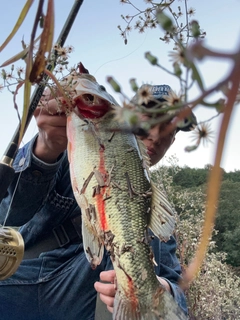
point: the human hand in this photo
(51, 121)
(107, 290)
(164, 283)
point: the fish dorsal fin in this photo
(162, 219)
(144, 155)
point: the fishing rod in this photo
(6, 170)
(11, 241)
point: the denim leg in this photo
(50, 289)
(19, 302)
(71, 295)
(61, 298)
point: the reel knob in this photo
(11, 251)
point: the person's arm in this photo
(29, 189)
(169, 268)
(36, 165)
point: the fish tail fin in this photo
(158, 306)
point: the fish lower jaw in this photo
(91, 107)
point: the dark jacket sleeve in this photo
(29, 189)
(168, 267)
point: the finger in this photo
(108, 276)
(110, 309)
(50, 93)
(107, 289)
(164, 283)
(46, 95)
(53, 106)
(107, 300)
(45, 121)
(54, 134)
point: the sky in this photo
(98, 45)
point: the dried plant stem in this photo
(60, 88)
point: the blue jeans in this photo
(50, 289)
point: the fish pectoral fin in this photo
(94, 254)
(93, 246)
(162, 220)
(69, 150)
(155, 306)
(91, 233)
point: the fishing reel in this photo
(11, 251)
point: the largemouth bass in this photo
(111, 184)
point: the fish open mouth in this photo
(91, 106)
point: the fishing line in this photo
(15, 189)
(33, 132)
(121, 58)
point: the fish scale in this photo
(110, 182)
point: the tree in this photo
(228, 221)
(188, 177)
(232, 176)
(188, 183)
(215, 293)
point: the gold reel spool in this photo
(11, 251)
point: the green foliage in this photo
(215, 293)
(188, 177)
(228, 220)
(188, 184)
(232, 176)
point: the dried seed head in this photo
(177, 56)
(202, 133)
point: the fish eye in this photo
(102, 88)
